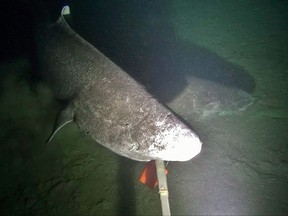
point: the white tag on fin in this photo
(65, 10)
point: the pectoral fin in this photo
(64, 117)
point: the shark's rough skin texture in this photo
(109, 105)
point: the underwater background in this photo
(221, 65)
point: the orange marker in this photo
(149, 175)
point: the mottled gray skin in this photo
(107, 104)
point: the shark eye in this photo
(134, 147)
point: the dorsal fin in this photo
(63, 117)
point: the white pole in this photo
(163, 188)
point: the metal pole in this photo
(163, 188)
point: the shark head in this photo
(166, 139)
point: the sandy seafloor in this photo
(243, 166)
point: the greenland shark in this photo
(108, 104)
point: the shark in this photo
(106, 103)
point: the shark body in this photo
(109, 105)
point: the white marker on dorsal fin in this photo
(65, 10)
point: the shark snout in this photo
(178, 144)
(186, 147)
